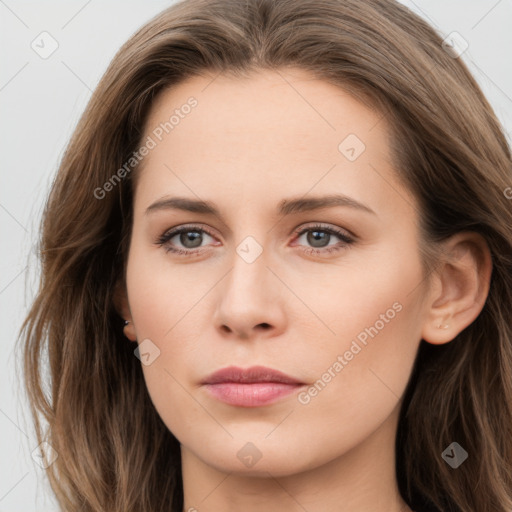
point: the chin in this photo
(260, 457)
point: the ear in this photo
(459, 287)
(120, 300)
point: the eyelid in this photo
(325, 227)
(190, 227)
(298, 230)
(176, 230)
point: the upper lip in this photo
(249, 375)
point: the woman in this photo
(297, 212)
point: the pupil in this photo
(316, 236)
(193, 236)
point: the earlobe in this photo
(129, 330)
(120, 300)
(460, 290)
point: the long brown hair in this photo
(115, 453)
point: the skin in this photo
(246, 146)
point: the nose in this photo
(250, 301)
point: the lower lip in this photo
(255, 394)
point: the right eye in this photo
(190, 237)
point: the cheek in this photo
(372, 300)
(162, 294)
(359, 375)
(363, 365)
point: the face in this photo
(273, 273)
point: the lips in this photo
(249, 376)
(251, 387)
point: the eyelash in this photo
(167, 236)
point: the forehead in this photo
(290, 102)
(272, 133)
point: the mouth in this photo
(251, 387)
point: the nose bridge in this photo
(247, 298)
(249, 258)
(249, 274)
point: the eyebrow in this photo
(285, 207)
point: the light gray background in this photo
(40, 103)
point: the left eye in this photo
(318, 235)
